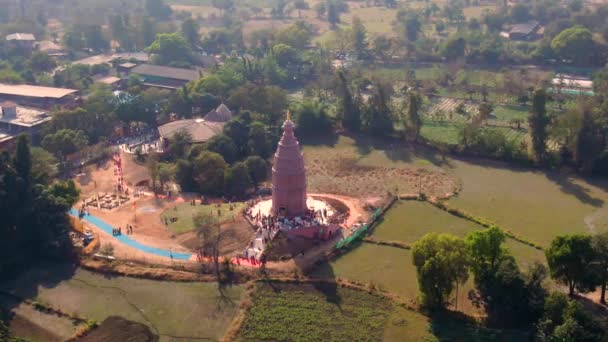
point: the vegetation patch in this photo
(179, 217)
(314, 312)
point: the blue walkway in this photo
(99, 223)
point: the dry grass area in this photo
(364, 168)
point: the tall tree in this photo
(258, 170)
(158, 9)
(170, 48)
(569, 258)
(208, 172)
(600, 247)
(237, 180)
(441, 262)
(538, 121)
(359, 38)
(590, 142)
(348, 110)
(333, 14)
(23, 158)
(190, 31)
(413, 119)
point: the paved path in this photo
(100, 224)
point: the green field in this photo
(317, 312)
(184, 212)
(187, 310)
(443, 132)
(533, 204)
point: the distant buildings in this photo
(165, 77)
(51, 48)
(15, 120)
(571, 85)
(23, 42)
(526, 31)
(38, 96)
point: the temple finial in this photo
(289, 115)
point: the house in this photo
(220, 114)
(38, 96)
(199, 129)
(15, 120)
(525, 31)
(112, 81)
(125, 68)
(21, 41)
(165, 77)
(51, 48)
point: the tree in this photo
(600, 247)
(454, 48)
(408, 25)
(208, 231)
(258, 170)
(190, 31)
(170, 48)
(158, 9)
(44, 165)
(296, 35)
(378, 115)
(238, 131)
(94, 37)
(166, 172)
(224, 146)
(208, 172)
(284, 54)
(520, 13)
(237, 180)
(64, 142)
(320, 9)
(589, 140)
(359, 38)
(569, 257)
(311, 118)
(565, 320)
(178, 144)
(574, 43)
(413, 119)
(538, 121)
(152, 165)
(441, 262)
(223, 5)
(258, 143)
(301, 5)
(333, 15)
(41, 61)
(348, 110)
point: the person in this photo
(119, 231)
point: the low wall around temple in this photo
(315, 232)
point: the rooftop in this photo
(108, 80)
(220, 114)
(167, 72)
(128, 65)
(26, 117)
(34, 91)
(199, 129)
(21, 36)
(47, 45)
(524, 28)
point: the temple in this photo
(288, 175)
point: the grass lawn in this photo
(189, 310)
(377, 20)
(408, 221)
(533, 204)
(444, 132)
(185, 212)
(506, 113)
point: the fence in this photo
(360, 232)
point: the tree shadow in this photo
(456, 326)
(567, 186)
(328, 139)
(26, 284)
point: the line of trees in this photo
(510, 297)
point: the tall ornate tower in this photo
(288, 175)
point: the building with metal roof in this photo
(165, 77)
